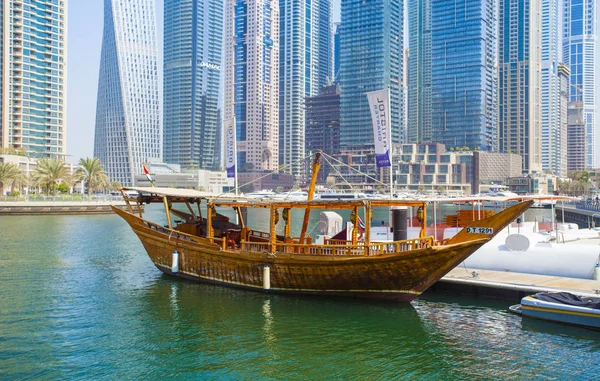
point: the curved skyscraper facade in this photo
(192, 68)
(128, 106)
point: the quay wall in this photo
(58, 207)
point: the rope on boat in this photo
(279, 169)
(325, 156)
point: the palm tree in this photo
(50, 172)
(21, 181)
(93, 173)
(8, 174)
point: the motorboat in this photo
(261, 194)
(561, 307)
(297, 195)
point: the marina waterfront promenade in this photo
(62, 204)
(86, 303)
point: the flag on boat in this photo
(361, 224)
(379, 103)
(230, 146)
(147, 173)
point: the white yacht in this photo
(261, 194)
(296, 195)
(340, 196)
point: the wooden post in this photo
(355, 227)
(126, 201)
(423, 232)
(368, 213)
(139, 208)
(168, 210)
(187, 203)
(311, 192)
(288, 221)
(209, 228)
(273, 238)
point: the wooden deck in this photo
(511, 285)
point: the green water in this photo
(82, 301)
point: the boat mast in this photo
(311, 192)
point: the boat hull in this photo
(398, 276)
(560, 313)
(392, 271)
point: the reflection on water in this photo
(83, 301)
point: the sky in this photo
(85, 27)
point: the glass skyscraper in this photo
(252, 81)
(193, 32)
(371, 58)
(336, 52)
(581, 53)
(34, 94)
(128, 106)
(554, 107)
(464, 73)
(305, 65)
(419, 71)
(519, 81)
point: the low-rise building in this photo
(170, 175)
(28, 165)
(427, 167)
(532, 184)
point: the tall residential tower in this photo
(193, 33)
(34, 77)
(128, 106)
(520, 81)
(554, 73)
(464, 85)
(371, 58)
(581, 51)
(419, 71)
(305, 65)
(251, 39)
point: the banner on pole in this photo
(230, 146)
(382, 128)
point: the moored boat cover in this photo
(568, 299)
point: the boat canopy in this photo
(229, 199)
(184, 193)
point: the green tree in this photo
(93, 174)
(9, 172)
(50, 172)
(62, 187)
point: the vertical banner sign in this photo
(382, 129)
(230, 148)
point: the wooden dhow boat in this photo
(212, 249)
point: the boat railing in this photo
(383, 248)
(346, 249)
(173, 234)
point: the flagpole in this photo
(389, 123)
(235, 171)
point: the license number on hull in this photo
(477, 230)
